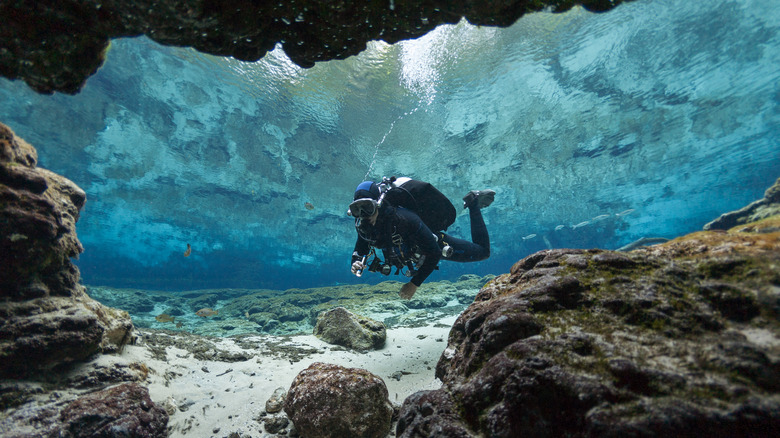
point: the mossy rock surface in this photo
(680, 338)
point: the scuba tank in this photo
(433, 208)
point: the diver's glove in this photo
(358, 267)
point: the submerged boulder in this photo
(46, 317)
(339, 326)
(331, 401)
(122, 411)
(678, 339)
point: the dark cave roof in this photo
(55, 45)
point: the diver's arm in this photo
(425, 270)
(362, 248)
(359, 255)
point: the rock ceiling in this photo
(55, 45)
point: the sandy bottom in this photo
(221, 399)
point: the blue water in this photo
(664, 111)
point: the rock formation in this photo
(339, 326)
(46, 318)
(680, 339)
(124, 410)
(276, 402)
(57, 45)
(330, 401)
(763, 208)
(47, 321)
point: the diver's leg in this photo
(479, 232)
(476, 250)
(463, 250)
(479, 247)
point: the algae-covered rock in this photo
(339, 326)
(203, 301)
(763, 208)
(331, 401)
(678, 339)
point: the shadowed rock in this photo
(46, 318)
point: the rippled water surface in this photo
(594, 129)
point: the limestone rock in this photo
(339, 326)
(330, 401)
(763, 208)
(427, 411)
(276, 402)
(38, 213)
(202, 301)
(77, 32)
(46, 318)
(45, 332)
(678, 339)
(134, 301)
(32, 410)
(275, 423)
(122, 411)
(102, 372)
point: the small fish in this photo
(625, 212)
(246, 314)
(530, 236)
(206, 312)
(164, 317)
(559, 227)
(600, 217)
(179, 324)
(309, 206)
(188, 251)
(581, 224)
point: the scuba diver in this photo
(406, 220)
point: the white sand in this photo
(212, 401)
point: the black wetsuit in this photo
(415, 236)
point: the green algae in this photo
(294, 311)
(673, 311)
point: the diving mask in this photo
(363, 208)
